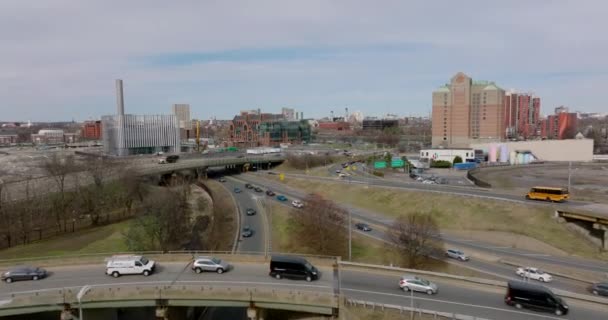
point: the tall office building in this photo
(467, 111)
(182, 113)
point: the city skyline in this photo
(60, 60)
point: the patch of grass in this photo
(364, 250)
(457, 212)
(94, 240)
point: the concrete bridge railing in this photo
(167, 294)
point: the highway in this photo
(381, 287)
(493, 268)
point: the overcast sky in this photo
(59, 58)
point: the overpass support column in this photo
(604, 228)
(255, 313)
(201, 173)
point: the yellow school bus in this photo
(548, 194)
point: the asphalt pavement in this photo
(379, 287)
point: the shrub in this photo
(440, 164)
(457, 159)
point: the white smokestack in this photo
(120, 101)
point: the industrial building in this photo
(523, 152)
(379, 124)
(128, 134)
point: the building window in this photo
(444, 138)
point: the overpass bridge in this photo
(80, 283)
(202, 164)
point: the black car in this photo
(258, 189)
(247, 232)
(23, 273)
(270, 193)
(250, 212)
(599, 289)
(293, 268)
(532, 296)
(363, 226)
(249, 186)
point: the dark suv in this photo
(599, 289)
(532, 296)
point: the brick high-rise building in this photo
(561, 125)
(467, 111)
(522, 115)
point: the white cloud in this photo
(59, 58)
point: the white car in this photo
(533, 273)
(297, 204)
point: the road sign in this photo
(379, 164)
(282, 176)
(397, 163)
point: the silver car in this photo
(456, 254)
(201, 264)
(415, 283)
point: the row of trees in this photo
(80, 193)
(322, 227)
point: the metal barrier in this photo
(402, 309)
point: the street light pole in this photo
(79, 296)
(350, 236)
(569, 174)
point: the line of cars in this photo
(295, 203)
(290, 267)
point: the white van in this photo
(119, 265)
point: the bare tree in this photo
(412, 235)
(100, 170)
(165, 222)
(322, 225)
(59, 168)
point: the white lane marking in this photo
(450, 302)
(495, 247)
(535, 255)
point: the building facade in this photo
(561, 125)
(91, 130)
(265, 129)
(289, 114)
(522, 116)
(8, 139)
(140, 134)
(379, 124)
(182, 113)
(48, 136)
(466, 111)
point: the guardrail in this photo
(89, 258)
(170, 294)
(495, 283)
(402, 309)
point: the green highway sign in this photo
(379, 164)
(397, 163)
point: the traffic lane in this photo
(242, 274)
(244, 200)
(371, 217)
(576, 262)
(452, 297)
(498, 269)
